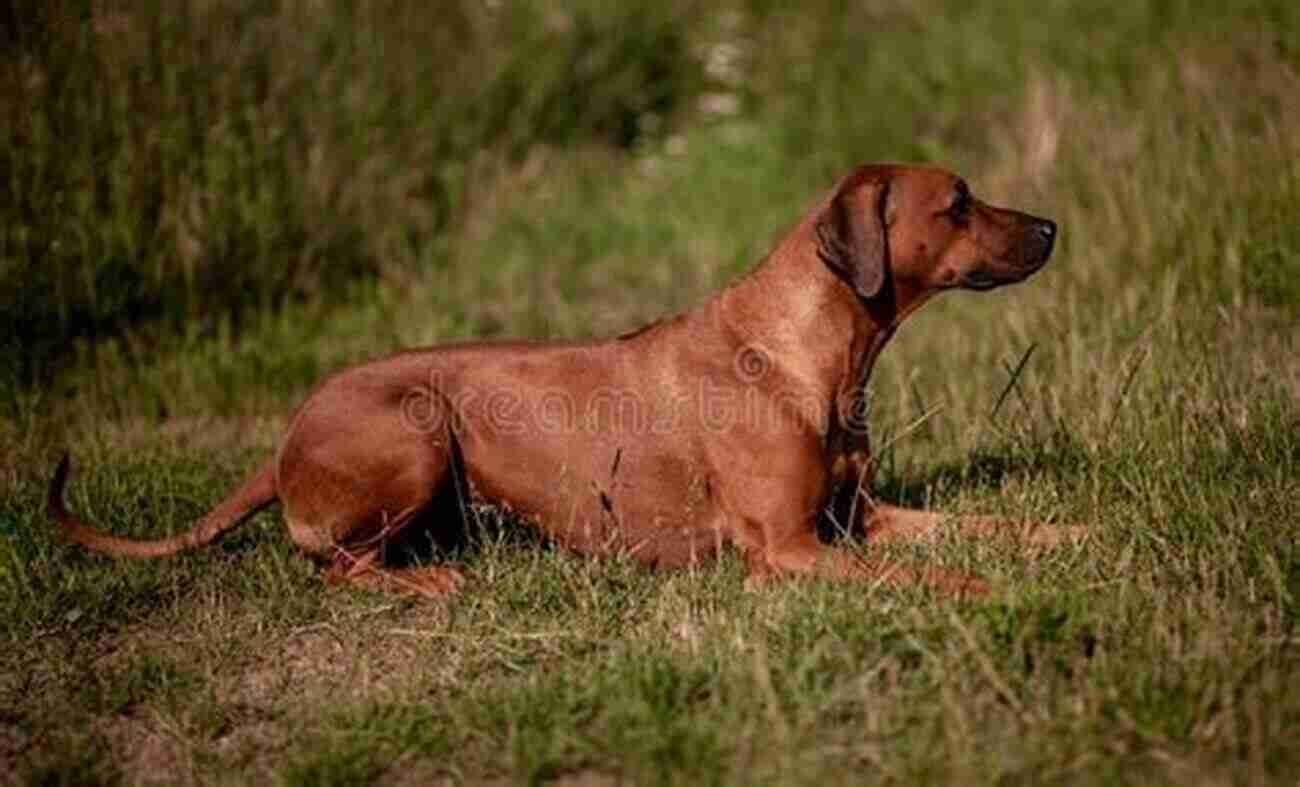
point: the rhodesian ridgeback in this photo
(738, 422)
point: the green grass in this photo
(194, 230)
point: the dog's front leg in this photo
(886, 523)
(807, 556)
(852, 473)
(853, 510)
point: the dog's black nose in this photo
(1045, 230)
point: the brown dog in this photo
(735, 423)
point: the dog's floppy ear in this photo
(853, 234)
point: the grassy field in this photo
(204, 210)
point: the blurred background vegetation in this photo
(182, 164)
(204, 204)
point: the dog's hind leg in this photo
(366, 570)
(359, 558)
(350, 492)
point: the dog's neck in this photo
(810, 322)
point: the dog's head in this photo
(920, 229)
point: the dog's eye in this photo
(959, 210)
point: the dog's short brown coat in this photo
(737, 422)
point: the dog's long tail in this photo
(252, 496)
